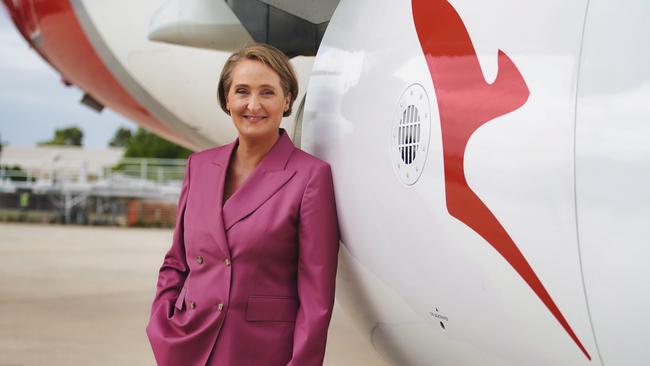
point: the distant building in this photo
(36, 159)
(73, 184)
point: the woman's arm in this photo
(174, 268)
(318, 254)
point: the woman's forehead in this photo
(254, 73)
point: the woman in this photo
(249, 278)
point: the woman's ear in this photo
(287, 101)
(227, 105)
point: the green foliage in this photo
(147, 145)
(121, 137)
(16, 173)
(68, 136)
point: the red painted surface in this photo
(64, 45)
(466, 102)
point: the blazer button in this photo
(227, 262)
(220, 307)
(199, 259)
(192, 305)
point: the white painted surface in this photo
(613, 177)
(198, 23)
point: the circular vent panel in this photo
(410, 134)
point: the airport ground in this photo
(79, 295)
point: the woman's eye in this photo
(240, 91)
(267, 92)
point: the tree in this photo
(16, 173)
(121, 137)
(68, 136)
(147, 145)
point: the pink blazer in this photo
(251, 283)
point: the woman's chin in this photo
(258, 130)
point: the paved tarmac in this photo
(72, 295)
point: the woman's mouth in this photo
(254, 118)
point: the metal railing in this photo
(68, 185)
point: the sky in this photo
(34, 102)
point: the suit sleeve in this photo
(317, 261)
(174, 268)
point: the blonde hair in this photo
(269, 56)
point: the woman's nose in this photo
(253, 103)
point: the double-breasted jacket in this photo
(251, 281)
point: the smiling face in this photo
(256, 100)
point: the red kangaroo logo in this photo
(466, 102)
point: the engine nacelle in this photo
(490, 195)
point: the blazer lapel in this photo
(267, 178)
(221, 161)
